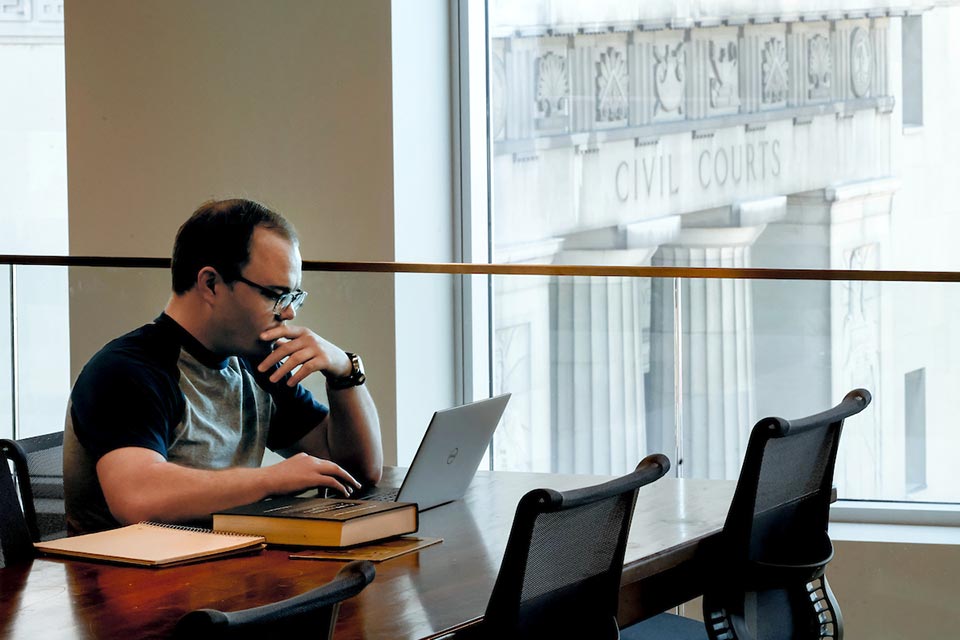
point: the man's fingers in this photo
(288, 350)
(300, 374)
(308, 360)
(329, 468)
(282, 331)
(293, 361)
(331, 483)
(280, 351)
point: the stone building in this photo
(702, 134)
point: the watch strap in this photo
(354, 379)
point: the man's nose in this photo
(287, 314)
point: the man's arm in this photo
(139, 484)
(350, 434)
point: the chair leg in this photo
(826, 609)
(717, 621)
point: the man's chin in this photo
(259, 351)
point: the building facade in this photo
(703, 134)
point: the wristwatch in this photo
(355, 378)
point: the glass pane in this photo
(43, 348)
(589, 362)
(33, 140)
(812, 342)
(33, 210)
(592, 363)
(622, 126)
(402, 326)
(627, 133)
(6, 356)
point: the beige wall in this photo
(171, 103)
(896, 591)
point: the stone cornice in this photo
(648, 134)
(570, 17)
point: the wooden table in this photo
(422, 595)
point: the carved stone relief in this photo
(859, 355)
(724, 74)
(512, 372)
(552, 90)
(611, 86)
(15, 10)
(561, 84)
(42, 19)
(820, 67)
(775, 71)
(861, 62)
(669, 78)
(51, 10)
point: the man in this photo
(169, 422)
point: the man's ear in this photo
(207, 279)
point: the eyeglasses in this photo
(281, 301)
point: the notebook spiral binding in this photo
(180, 527)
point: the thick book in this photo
(153, 544)
(320, 522)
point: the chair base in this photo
(665, 626)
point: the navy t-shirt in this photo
(158, 388)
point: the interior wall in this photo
(290, 103)
(896, 591)
(176, 102)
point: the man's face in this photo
(247, 312)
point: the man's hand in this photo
(302, 348)
(303, 471)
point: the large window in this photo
(643, 134)
(33, 212)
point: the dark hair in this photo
(218, 235)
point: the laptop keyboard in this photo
(382, 495)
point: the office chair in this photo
(315, 611)
(560, 574)
(768, 580)
(38, 464)
(15, 543)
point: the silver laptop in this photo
(448, 456)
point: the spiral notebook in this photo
(153, 544)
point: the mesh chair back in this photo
(38, 462)
(15, 543)
(781, 506)
(768, 580)
(314, 611)
(793, 496)
(561, 569)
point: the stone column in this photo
(716, 341)
(521, 358)
(600, 332)
(816, 340)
